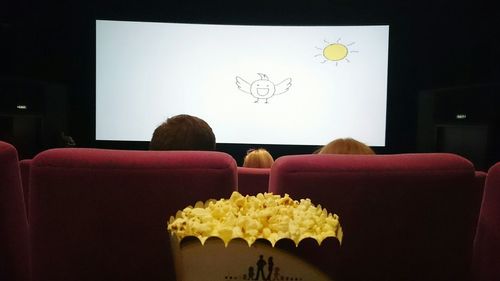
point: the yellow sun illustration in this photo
(335, 52)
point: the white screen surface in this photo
(293, 85)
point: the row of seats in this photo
(251, 181)
(97, 214)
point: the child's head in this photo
(258, 158)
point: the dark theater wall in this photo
(433, 45)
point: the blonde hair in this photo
(258, 158)
(346, 146)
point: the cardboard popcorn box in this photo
(263, 237)
(213, 260)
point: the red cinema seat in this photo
(99, 214)
(25, 166)
(404, 216)
(480, 182)
(252, 181)
(14, 243)
(486, 259)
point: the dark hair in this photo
(183, 132)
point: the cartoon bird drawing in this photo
(263, 88)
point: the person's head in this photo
(258, 158)
(346, 146)
(183, 132)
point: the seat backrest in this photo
(486, 258)
(252, 181)
(480, 182)
(25, 166)
(99, 214)
(14, 243)
(404, 216)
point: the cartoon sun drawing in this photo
(335, 52)
(263, 88)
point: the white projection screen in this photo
(285, 85)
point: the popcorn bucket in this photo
(263, 237)
(213, 260)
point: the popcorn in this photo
(266, 216)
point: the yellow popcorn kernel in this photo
(237, 232)
(266, 232)
(200, 229)
(226, 233)
(279, 223)
(199, 204)
(252, 233)
(217, 211)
